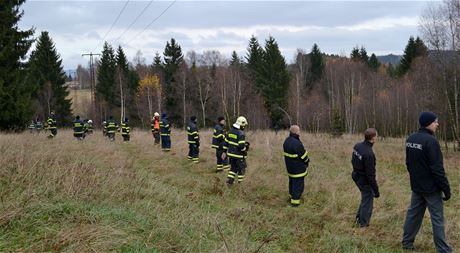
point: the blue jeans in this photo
(414, 218)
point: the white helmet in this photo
(240, 122)
(90, 121)
(156, 114)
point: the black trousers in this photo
(79, 136)
(156, 136)
(193, 152)
(125, 137)
(237, 170)
(296, 188)
(166, 142)
(222, 164)
(111, 136)
(364, 212)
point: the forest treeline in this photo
(320, 92)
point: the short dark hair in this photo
(370, 133)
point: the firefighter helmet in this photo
(156, 114)
(241, 121)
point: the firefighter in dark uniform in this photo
(297, 161)
(89, 127)
(165, 133)
(237, 151)
(193, 139)
(218, 143)
(78, 128)
(38, 126)
(32, 126)
(51, 125)
(104, 128)
(125, 130)
(428, 184)
(363, 161)
(111, 128)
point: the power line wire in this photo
(113, 24)
(153, 21)
(135, 20)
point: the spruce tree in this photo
(273, 80)
(316, 69)
(15, 94)
(254, 59)
(105, 87)
(235, 60)
(374, 63)
(46, 74)
(173, 57)
(410, 52)
(355, 56)
(363, 55)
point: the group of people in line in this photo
(424, 161)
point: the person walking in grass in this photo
(364, 173)
(428, 182)
(125, 130)
(297, 161)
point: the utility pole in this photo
(92, 77)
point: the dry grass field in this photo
(61, 195)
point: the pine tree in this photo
(173, 57)
(363, 55)
(157, 66)
(105, 88)
(410, 52)
(235, 60)
(46, 73)
(421, 48)
(15, 107)
(316, 69)
(374, 63)
(254, 59)
(355, 56)
(273, 80)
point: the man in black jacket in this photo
(218, 142)
(78, 129)
(193, 140)
(363, 161)
(428, 181)
(297, 160)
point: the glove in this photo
(377, 195)
(446, 196)
(247, 144)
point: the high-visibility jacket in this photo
(78, 127)
(125, 129)
(295, 156)
(165, 129)
(32, 126)
(236, 142)
(38, 125)
(192, 134)
(51, 122)
(111, 127)
(218, 137)
(155, 125)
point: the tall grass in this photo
(62, 195)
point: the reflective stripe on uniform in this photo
(295, 201)
(235, 155)
(298, 175)
(192, 142)
(165, 134)
(304, 155)
(290, 155)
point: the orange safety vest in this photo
(156, 123)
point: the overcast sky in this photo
(336, 26)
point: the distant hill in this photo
(390, 58)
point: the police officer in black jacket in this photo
(218, 143)
(428, 181)
(363, 161)
(297, 160)
(193, 140)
